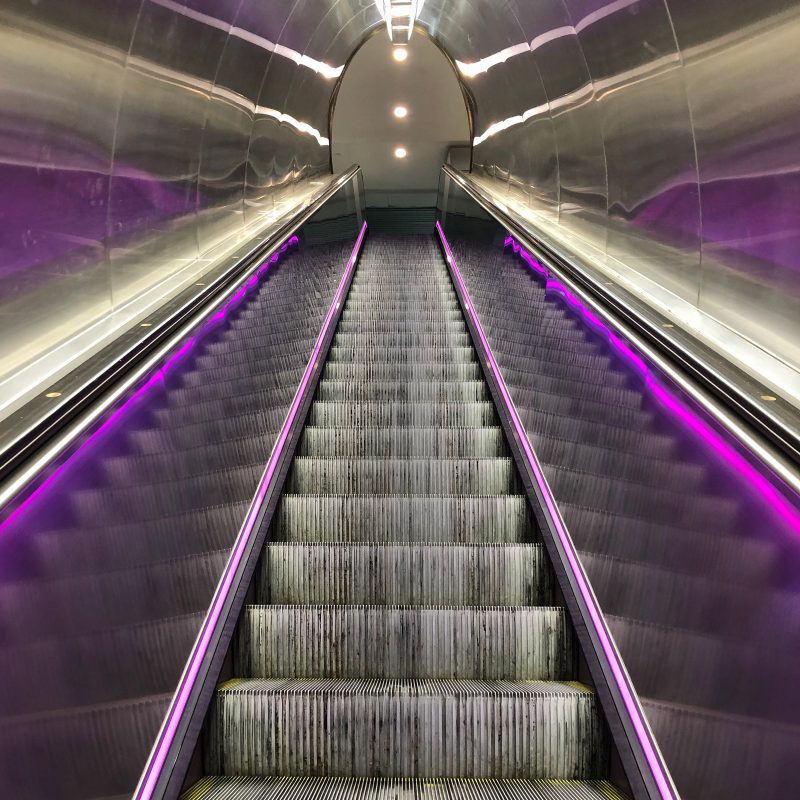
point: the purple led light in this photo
(203, 642)
(624, 687)
(525, 256)
(776, 501)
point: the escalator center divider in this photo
(642, 761)
(175, 744)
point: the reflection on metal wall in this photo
(663, 132)
(138, 135)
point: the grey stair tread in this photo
(396, 414)
(720, 744)
(403, 518)
(710, 671)
(711, 551)
(290, 788)
(103, 547)
(456, 642)
(96, 668)
(74, 604)
(449, 574)
(449, 391)
(639, 499)
(409, 728)
(418, 370)
(403, 442)
(416, 476)
(89, 751)
(693, 602)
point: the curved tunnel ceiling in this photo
(364, 129)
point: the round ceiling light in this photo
(401, 112)
(400, 54)
(400, 152)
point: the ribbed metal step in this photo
(486, 643)
(419, 476)
(405, 728)
(345, 518)
(405, 574)
(404, 442)
(226, 788)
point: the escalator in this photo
(403, 638)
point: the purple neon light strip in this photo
(635, 714)
(203, 642)
(777, 502)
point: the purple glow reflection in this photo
(525, 256)
(181, 698)
(158, 375)
(775, 500)
(657, 767)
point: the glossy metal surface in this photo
(137, 139)
(664, 138)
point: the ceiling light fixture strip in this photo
(596, 620)
(214, 618)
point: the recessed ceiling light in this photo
(400, 112)
(400, 152)
(400, 54)
(53, 395)
(770, 398)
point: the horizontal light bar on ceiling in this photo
(400, 16)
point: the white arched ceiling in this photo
(364, 130)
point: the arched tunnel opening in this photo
(399, 399)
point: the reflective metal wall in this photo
(137, 136)
(660, 133)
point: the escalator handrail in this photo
(645, 768)
(763, 435)
(26, 458)
(169, 759)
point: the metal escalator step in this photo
(608, 434)
(480, 643)
(679, 476)
(410, 372)
(197, 434)
(77, 604)
(408, 728)
(228, 380)
(643, 592)
(92, 751)
(314, 518)
(543, 391)
(405, 574)
(404, 338)
(636, 499)
(419, 476)
(395, 414)
(366, 352)
(103, 547)
(411, 392)
(710, 671)
(187, 462)
(403, 442)
(711, 551)
(210, 409)
(141, 500)
(101, 667)
(422, 324)
(291, 788)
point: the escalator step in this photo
(404, 728)
(404, 642)
(405, 574)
